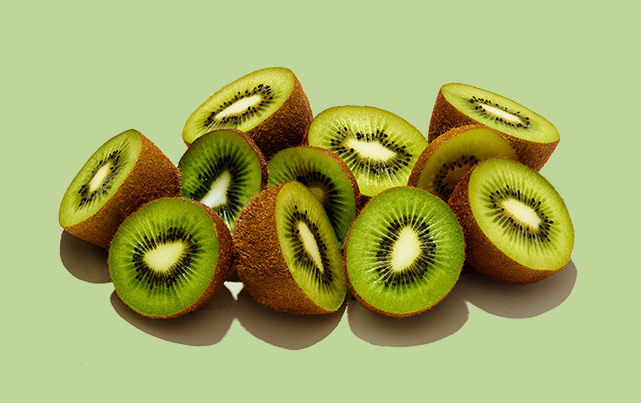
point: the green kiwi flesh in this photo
(404, 253)
(445, 160)
(516, 225)
(286, 252)
(268, 104)
(223, 169)
(326, 175)
(379, 147)
(169, 257)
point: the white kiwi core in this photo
(523, 214)
(100, 176)
(310, 245)
(500, 113)
(217, 195)
(406, 249)
(371, 150)
(240, 106)
(164, 256)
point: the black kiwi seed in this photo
(266, 96)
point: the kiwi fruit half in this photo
(286, 253)
(326, 175)
(532, 136)
(122, 175)
(223, 169)
(269, 105)
(446, 159)
(404, 253)
(170, 257)
(379, 147)
(517, 227)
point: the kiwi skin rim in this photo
(371, 307)
(481, 253)
(258, 259)
(223, 265)
(153, 176)
(445, 117)
(286, 127)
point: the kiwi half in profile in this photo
(286, 252)
(404, 252)
(532, 136)
(223, 169)
(122, 175)
(170, 257)
(450, 156)
(269, 105)
(517, 227)
(326, 175)
(379, 147)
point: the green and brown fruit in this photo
(170, 257)
(122, 175)
(517, 227)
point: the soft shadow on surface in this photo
(518, 301)
(204, 327)
(439, 322)
(84, 260)
(282, 330)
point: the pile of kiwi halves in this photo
(304, 210)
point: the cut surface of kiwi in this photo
(379, 147)
(326, 175)
(123, 174)
(286, 252)
(169, 257)
(404, 252)
(450, 156)
(517, 226)
(223, 169)
(531, 135)
(269, 105)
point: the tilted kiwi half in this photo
(170, 257)
(404, 252)
(450, 156)
(269, 105)
(532, 136)
(122, 175)
(379, 147)
(223, 169)
(286, 252)
(517, 227)
(326, 175)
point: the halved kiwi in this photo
(532, 136)
(223, 169)
(379, 147)
(404, 252)
(170, 257)
(517, 227)
(446, 159)
(122, 175)
(286, 252)
(269, 105)
(326, 175)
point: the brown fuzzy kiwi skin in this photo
(153, 176)
(286, 127)
(259, 261)
(223, 265)
(481, 253)
(445, 117)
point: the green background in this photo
(75, 74)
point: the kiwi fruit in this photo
(446, 159)
(532, 136)
(379, 147)
(286, 253)
(123, 174)
(326, 175)
(404, 253)
(516, 225)
(170, 257)
(269, 105)
(223, 169)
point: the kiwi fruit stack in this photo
(326, 175)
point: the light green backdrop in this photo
(74, 75)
